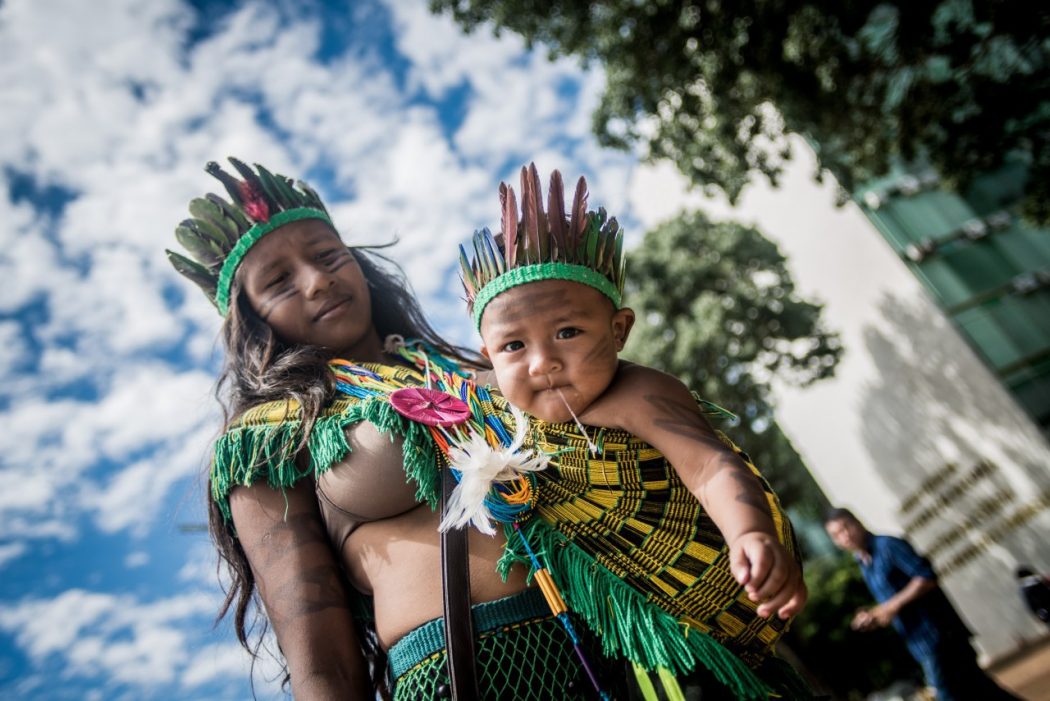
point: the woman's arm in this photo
(302, 589)
(658, 409)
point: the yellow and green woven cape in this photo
(633, 552)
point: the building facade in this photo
(985, 269)
(934, 426)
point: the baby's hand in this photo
(768, 574)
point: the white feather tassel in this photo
(480, 465)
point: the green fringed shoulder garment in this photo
(632, 551)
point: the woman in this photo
(311, 505)
(326, 419)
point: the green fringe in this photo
(626, 622)
(244, 454)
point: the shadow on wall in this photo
(970, 472)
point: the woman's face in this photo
(304, 283)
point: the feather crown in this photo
(543, 244)
(220, 232)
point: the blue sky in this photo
(110, 111)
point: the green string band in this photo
(543, 271)
(249, 239)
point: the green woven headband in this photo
(219, 232)
(250, 238)
(543, 271)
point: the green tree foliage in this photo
(848, 663)
(716, 307)
(713, 85)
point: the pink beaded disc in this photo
(429, 406)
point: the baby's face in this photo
(553, 339)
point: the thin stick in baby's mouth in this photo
(593, 448)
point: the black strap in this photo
(455, 585)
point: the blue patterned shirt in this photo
(926, 621)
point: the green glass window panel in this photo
(927, 215)
(978, 265)
(944, 281)
(962, 269)
(985, 330)
(1010, 329)
(1028, 248)
(1027, 320)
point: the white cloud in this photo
(28, 262)
(14, 349)
(42, 627)
(115, 636)
(139, 558)
(230, 661)
(50, 445)
(67, 69)
(199, 567)
(11, 551)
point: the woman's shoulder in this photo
(271, 412)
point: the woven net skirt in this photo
(522, 653)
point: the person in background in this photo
(909, 598)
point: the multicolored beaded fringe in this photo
(509, 503)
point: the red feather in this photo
(510, 223)
(578, 223)
(530, 210)
(556, 212)
(254, 204)
(542, 231)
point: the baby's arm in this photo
(658, 409)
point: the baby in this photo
(545, 296)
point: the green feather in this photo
(206, 210)
(622, 272)
(231, 212)
(271, 188)
(202, 234)
(593, 234)
(312, 198)
(207, 229)
(486, 269)
(228, 181)
(465, 273)
(618, 260)
(493, 249)
(203, 249)
(195, 272)
(288, 193)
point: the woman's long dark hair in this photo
(259, 367)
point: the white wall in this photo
(909, 400)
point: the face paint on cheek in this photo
(601, 350)
(268, 305)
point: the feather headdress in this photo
(543, 244)
(219, 232)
